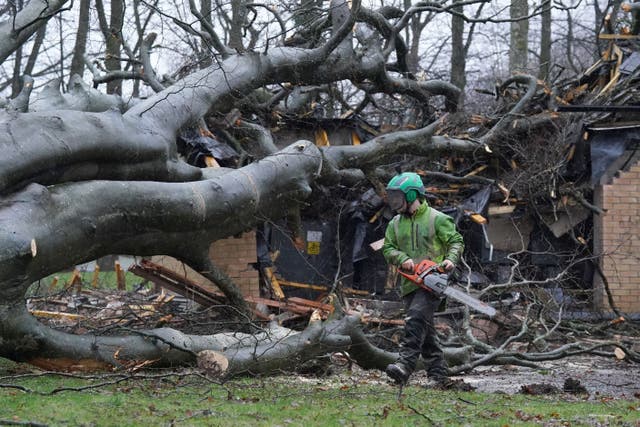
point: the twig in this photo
(18, 387)
(21, 423)
(420, 413)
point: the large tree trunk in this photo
(77, 61)
(458, 52)
(114, 44)
(35, 50)
(545, 43)
(89, 219)
(16, 84)
(519, 37)
(238, 21)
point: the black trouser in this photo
(420, 336)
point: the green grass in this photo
(106, 280)
(188, 400)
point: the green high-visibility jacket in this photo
(427, 234)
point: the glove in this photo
(447, 265)
(408, 265)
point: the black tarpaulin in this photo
(196, 147)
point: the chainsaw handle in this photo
(427, 266)
(417, 279)
(421, 269)
(411, 276)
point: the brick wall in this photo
(617, 237)
(233, 256)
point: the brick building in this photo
(617, 237)
(237, 256)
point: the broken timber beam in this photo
(273, 281)
(205, 296)
(183, 287)
(320, 287)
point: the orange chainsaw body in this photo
(422, 269)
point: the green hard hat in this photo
(409, 183)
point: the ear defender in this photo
(411, 196)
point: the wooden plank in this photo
(207, 297)
(201, 298)
(283, 305)
(355, 139)
(120, 277)
(375, 217)
(273, 281)
(618, 37)
(476, 171)
(179, 278)
(179, 284)
(56, 315)
(352, 291)
(501, 210)
(321, 288)
(310, 303)
(53, 284)
(96, 275)
(321, 138)
(477, 218)
(377, 245)
(302, 285)
(75, 280)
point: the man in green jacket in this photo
(418, 232)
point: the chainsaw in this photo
(430, 276)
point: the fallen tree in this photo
(77, 185)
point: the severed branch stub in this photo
(212, 363)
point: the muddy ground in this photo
(600, 377)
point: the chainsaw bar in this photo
(470, 301)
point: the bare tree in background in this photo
(519, 37)
(545, 42)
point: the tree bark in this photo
(114, 44)
(238, 20)
(458, 52)
(35, 50)
(145, 217)
(77, 61)
(16, 84)
(545, 43)
(519, 37)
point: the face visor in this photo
(396, 199)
